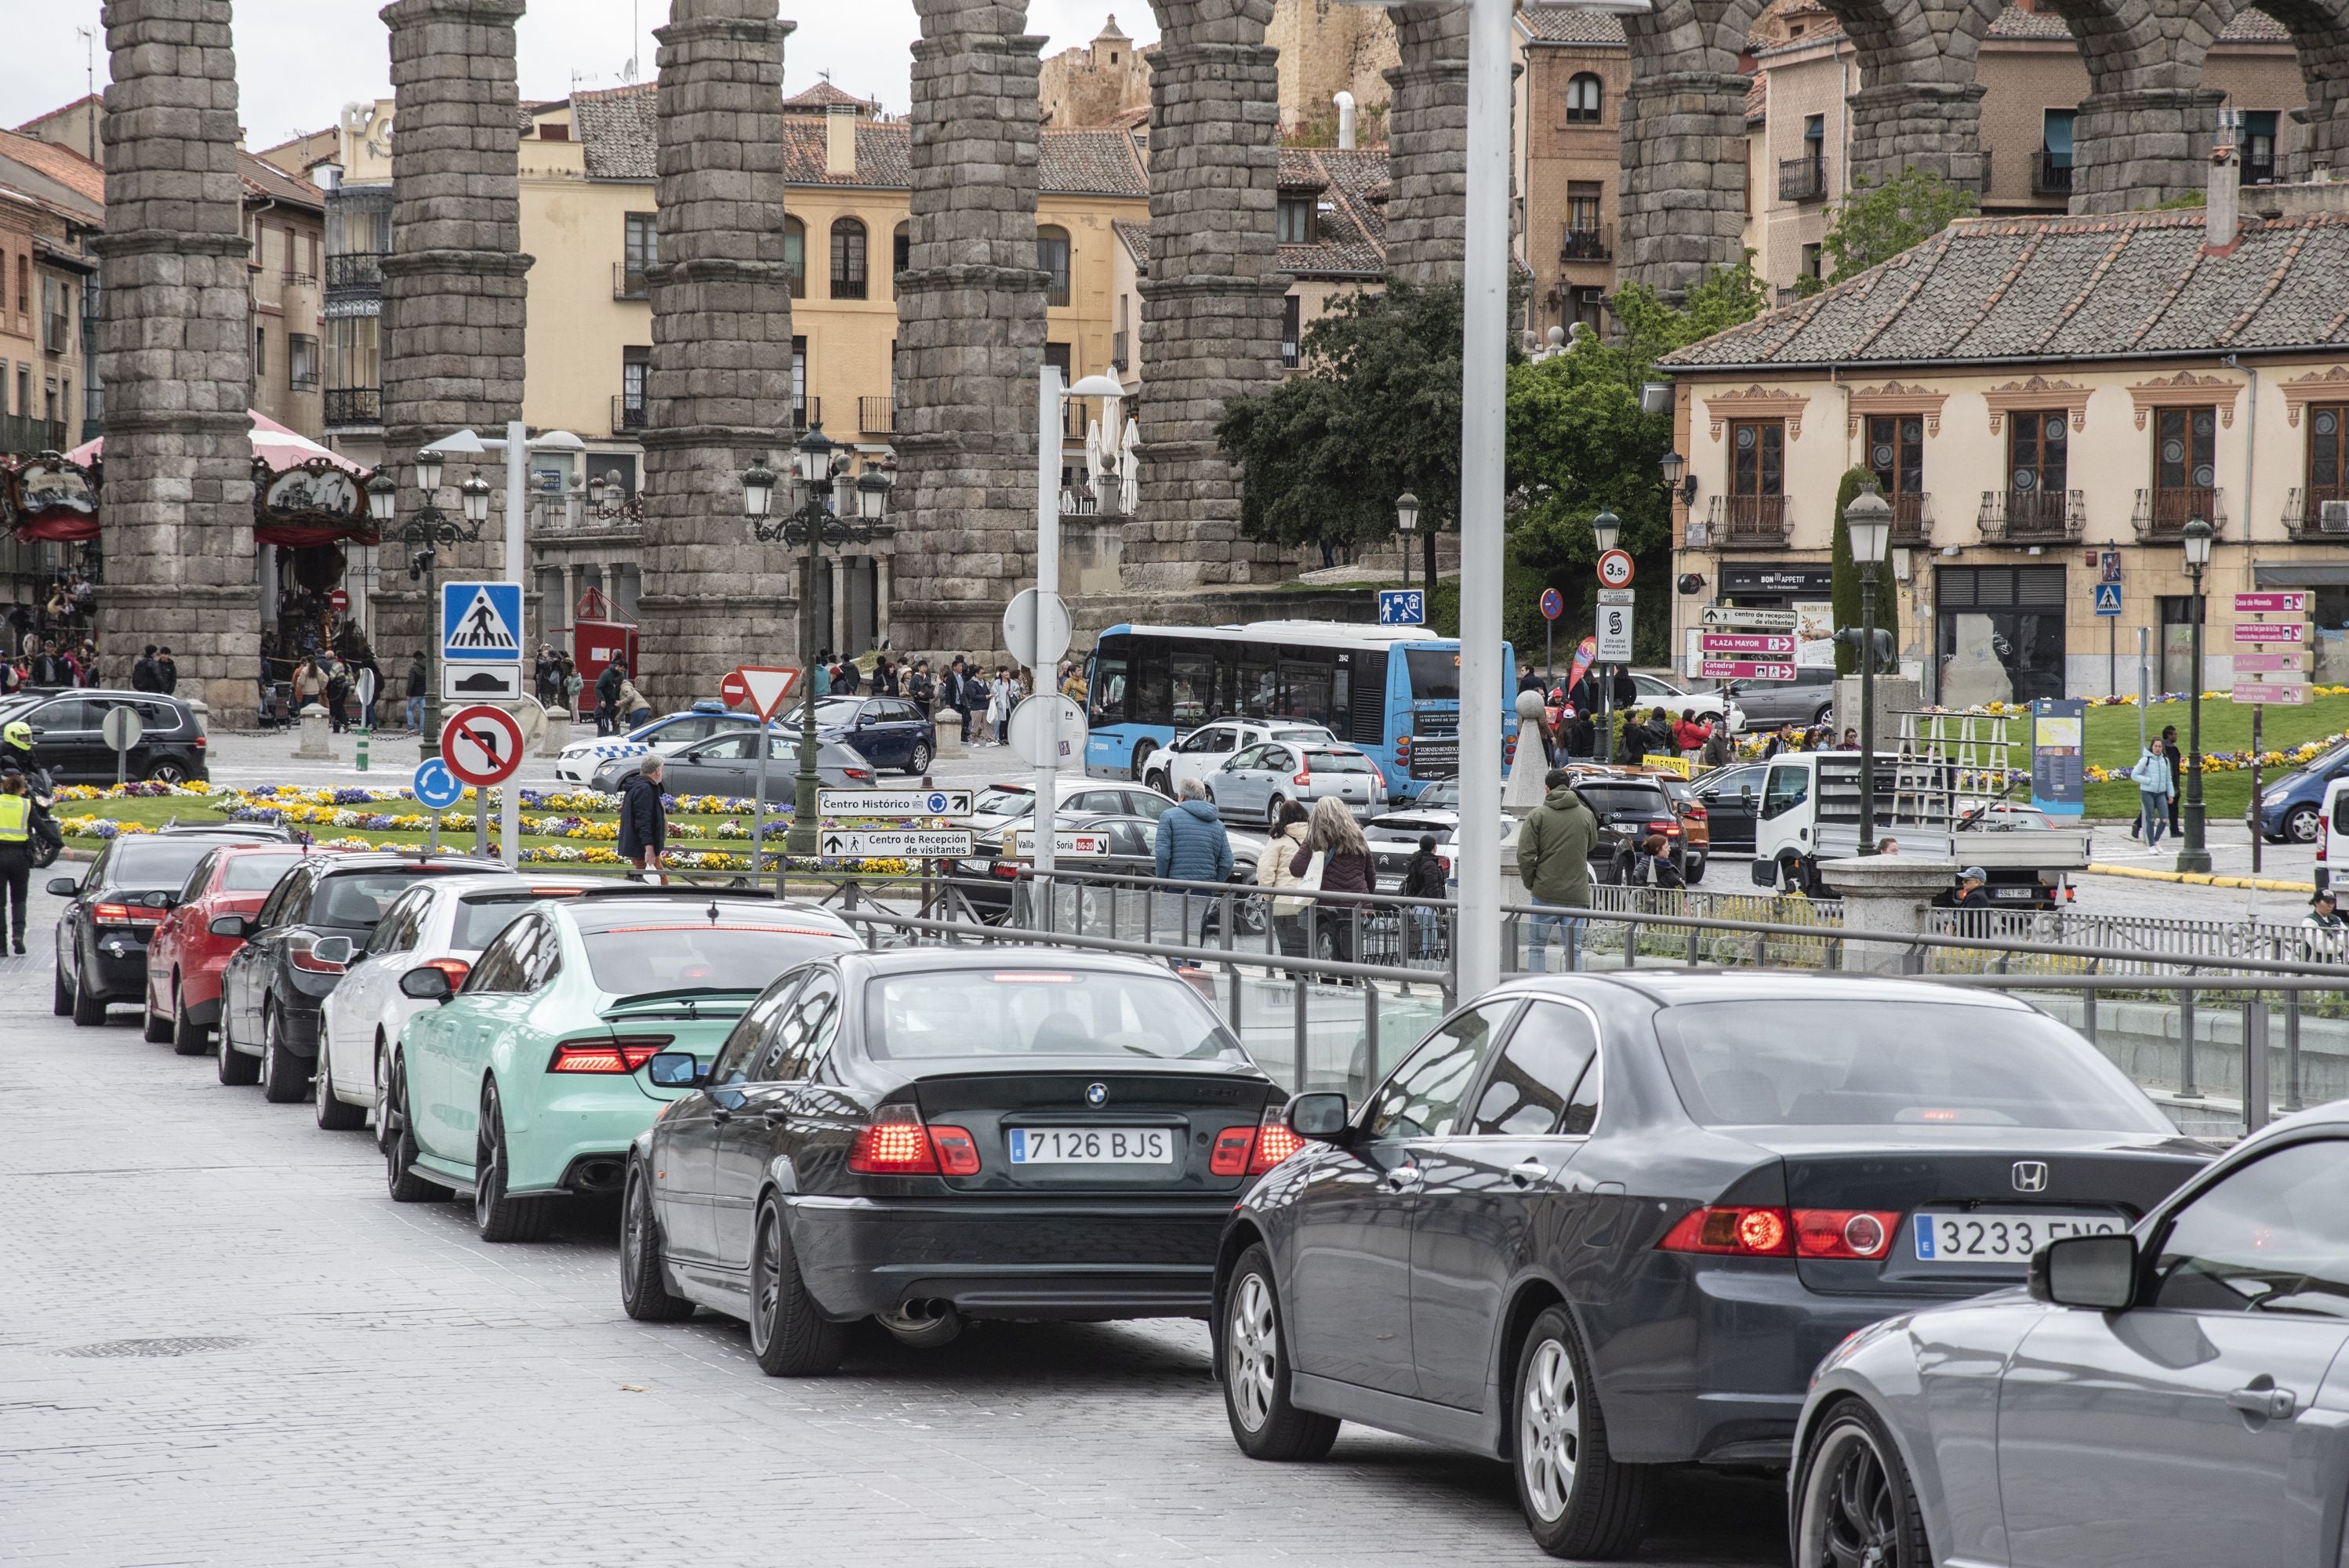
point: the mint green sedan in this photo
(527, 1084)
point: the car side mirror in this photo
(1318, 1115)
(674, 1070)
(333, 949)
(1746, 791)
(64, 887)
(2097, 1272)
(160, 899)
(427, 983)
(237, 926)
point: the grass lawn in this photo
(2226, 729)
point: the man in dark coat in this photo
(644, 820)
(144, 676)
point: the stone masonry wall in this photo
(720, 391)
(1427, 146)
(970, 335)
(174, 357)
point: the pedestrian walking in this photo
(1425, 875)
(21, 818)
(920, 690)
(849, 678)
(1334, 839)
(2151, 776)
(309, 684)
(416, 689)
(144, 676)
(1192, 847)
(338, 695)
(1287, 912)
(572, 687)
(1554, 863)
(644, 820)
(607, 695)
(2176, 772)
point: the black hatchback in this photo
(114, 907)
(70, 740)
(1595, 1226)
(923, 1136)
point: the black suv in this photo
(70, 743)
(101, 937)
(1629, 807)
(296, 949)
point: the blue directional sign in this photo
(1402, 608)
(437, 787)
(481, 622)
(2108, 598)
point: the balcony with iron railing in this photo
(358, 270)
(876, 416)
(627, 282)
(1912, 519)
(1587, 242)
(301, 381)
(24, 435)
(629, 413)
(1803, 178)
(1748, 522)
(2306, 514)
(2161, 515)
(2032, 516)
(805, 414)
(2051, 173)
(354, 406)
(1290, 355)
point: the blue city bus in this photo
(1393, 691)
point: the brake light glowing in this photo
(956, 1150)
(1007, 869)
(1275, 1142)
(1670, 830)
(1302, 776)
(862, 775)
(1739, 1233)
(617, 1054)
(455, 968)
(893, 1143)
(1843, 1233)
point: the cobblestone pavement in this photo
(219, 1343)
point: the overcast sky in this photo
(299, 61)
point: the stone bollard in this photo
(1886, 895)
(557, 734)
(950, 736)
(314, 745)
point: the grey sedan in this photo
(725, 765)
(2170, 1394)
(1253, 784)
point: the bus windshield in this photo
(1434, 673)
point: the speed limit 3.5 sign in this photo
(1615, 570)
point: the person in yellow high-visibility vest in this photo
(21, 817)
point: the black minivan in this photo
(69, 741)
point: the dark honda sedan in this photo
(1593, 1226)
(923, 1136)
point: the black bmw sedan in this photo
(923, 1136)
(101, 937)
(1597, 1225)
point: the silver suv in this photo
(1252, 783)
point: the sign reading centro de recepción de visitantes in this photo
(894, 843)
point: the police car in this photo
(668, 733)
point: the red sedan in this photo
(184, 959)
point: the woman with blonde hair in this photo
(1332, 838)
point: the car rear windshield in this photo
(997, 801)
(257, 874)
(1607, 798)
(1338, 762)
(1434, 673)
(1837, 1062)
(1041, 1013)
(480, 918)
(157, 863)
(359, 898)
(669, 955)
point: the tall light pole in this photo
(423, 534)
(2193, 855)
(1051, 403)
(1407, 524)
(1868, 522)
(1605, 530)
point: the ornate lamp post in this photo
(848, 518)
(1605, 530)
(2193, 855)
(1869, 521)
(424, 533)
(1407, 520)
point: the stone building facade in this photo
(1327, 48)
(1104, 82)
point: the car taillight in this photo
(122, 914)
(1739, 1233)
(613, 1054)
(455, 968)
(298, 953)
(1665, 826)
(1008, 870)
(1275, 1142)
(1843, 1233)
(1693, 811)
(893, 1143)
(200, 743)
(956, 1149)
(862, 775)
(1233, 1145)
(1302, 777)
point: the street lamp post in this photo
(1407, 521)
(425, 531)
(1867, 520)
(1605, 530)
(850, 520)
(2193, 855)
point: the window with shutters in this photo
(795, 256)
(2185, 466)
(848, 269)
(2328, 452)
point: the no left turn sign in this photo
(482, 745)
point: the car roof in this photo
(350, 861)
(597, 914)
(925, 960)
(1689, 987)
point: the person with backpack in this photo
(2152, 778)
(1288, 914)
(1424, 875)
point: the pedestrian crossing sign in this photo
(481, 622)
(2108, 598)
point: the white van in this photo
(2333, 833)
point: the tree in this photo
(1845, 594)
(1727, 297)
(1876, 223)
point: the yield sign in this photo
(482, 745)
(764, 686)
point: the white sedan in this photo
(1657, 692)
(1205, 750)
(444, 922)
(669, 733)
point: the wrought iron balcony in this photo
(1748, 522)
(875, 415)
(806, 413)
(358, 270)
(2032, 516)
(629, 413)
(354, 406)
(2161, 515)
(627, 282)
(1912, 519)
(2051, 173)
(2305, 514)
(1119, 344)
(1591, 244)
(1803, 178)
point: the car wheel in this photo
(643, 1291)
(235, 1068)
(188, 1037)
(1579, 1500)
(1272, 808)
(335, 1115)
(788, 1335)
(1254, 1368)
(397, 1140)
(1695, 872)
(1826, 712)
(63, 1003)
(89, 1011)
(919, 762)
(285, 1076)
(498, 1215)
(2302, 823)
(1853, 1503)
(1140, 768)
(167, 773)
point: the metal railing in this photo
(629, 413)
(2049, 177)
(2304, 516)
(1803, 178)
(876, 416)
(1119, 349)
(1749, 520)
(358, 270)
(2161, 515)
(25, 435)
(2034, 516)
(1912, 518)
(1587, 242)
(806, 413)
(627, 282)
(354, 405)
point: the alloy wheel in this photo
(490, 1177)
(1549, 1431)
(766, 1280)
(635, 1224)
(1862, 1515)
(1253, 1338)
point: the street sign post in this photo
(2291, 661)
(1065, 841)
(482, 746)
(1553, 606)
(435, 788)
(1047, 729)
(2292, 696)
(2108, 598)
(1737, 618)
(2256, 632)
(121, 728)
(1553, 603)
(731, 689)
(2287, 603)
(1745, 670)
(338, 601)
(1747, 644)
(1614, 626)
(763, 689)
(1037, 629)
(895, 843)
(1615, 569)
(1402, 608)
(950, 804)
(462, 684)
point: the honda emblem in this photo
(2031, 1175)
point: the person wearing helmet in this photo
(17, 745)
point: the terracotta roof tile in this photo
(266, 179)
(1569, 25)
(822, 96)
(62, 164)
(1351, 243)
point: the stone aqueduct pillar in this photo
(970, 333)
(453, 285)
(174, 355)
(720, 391)
(1427, 144)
